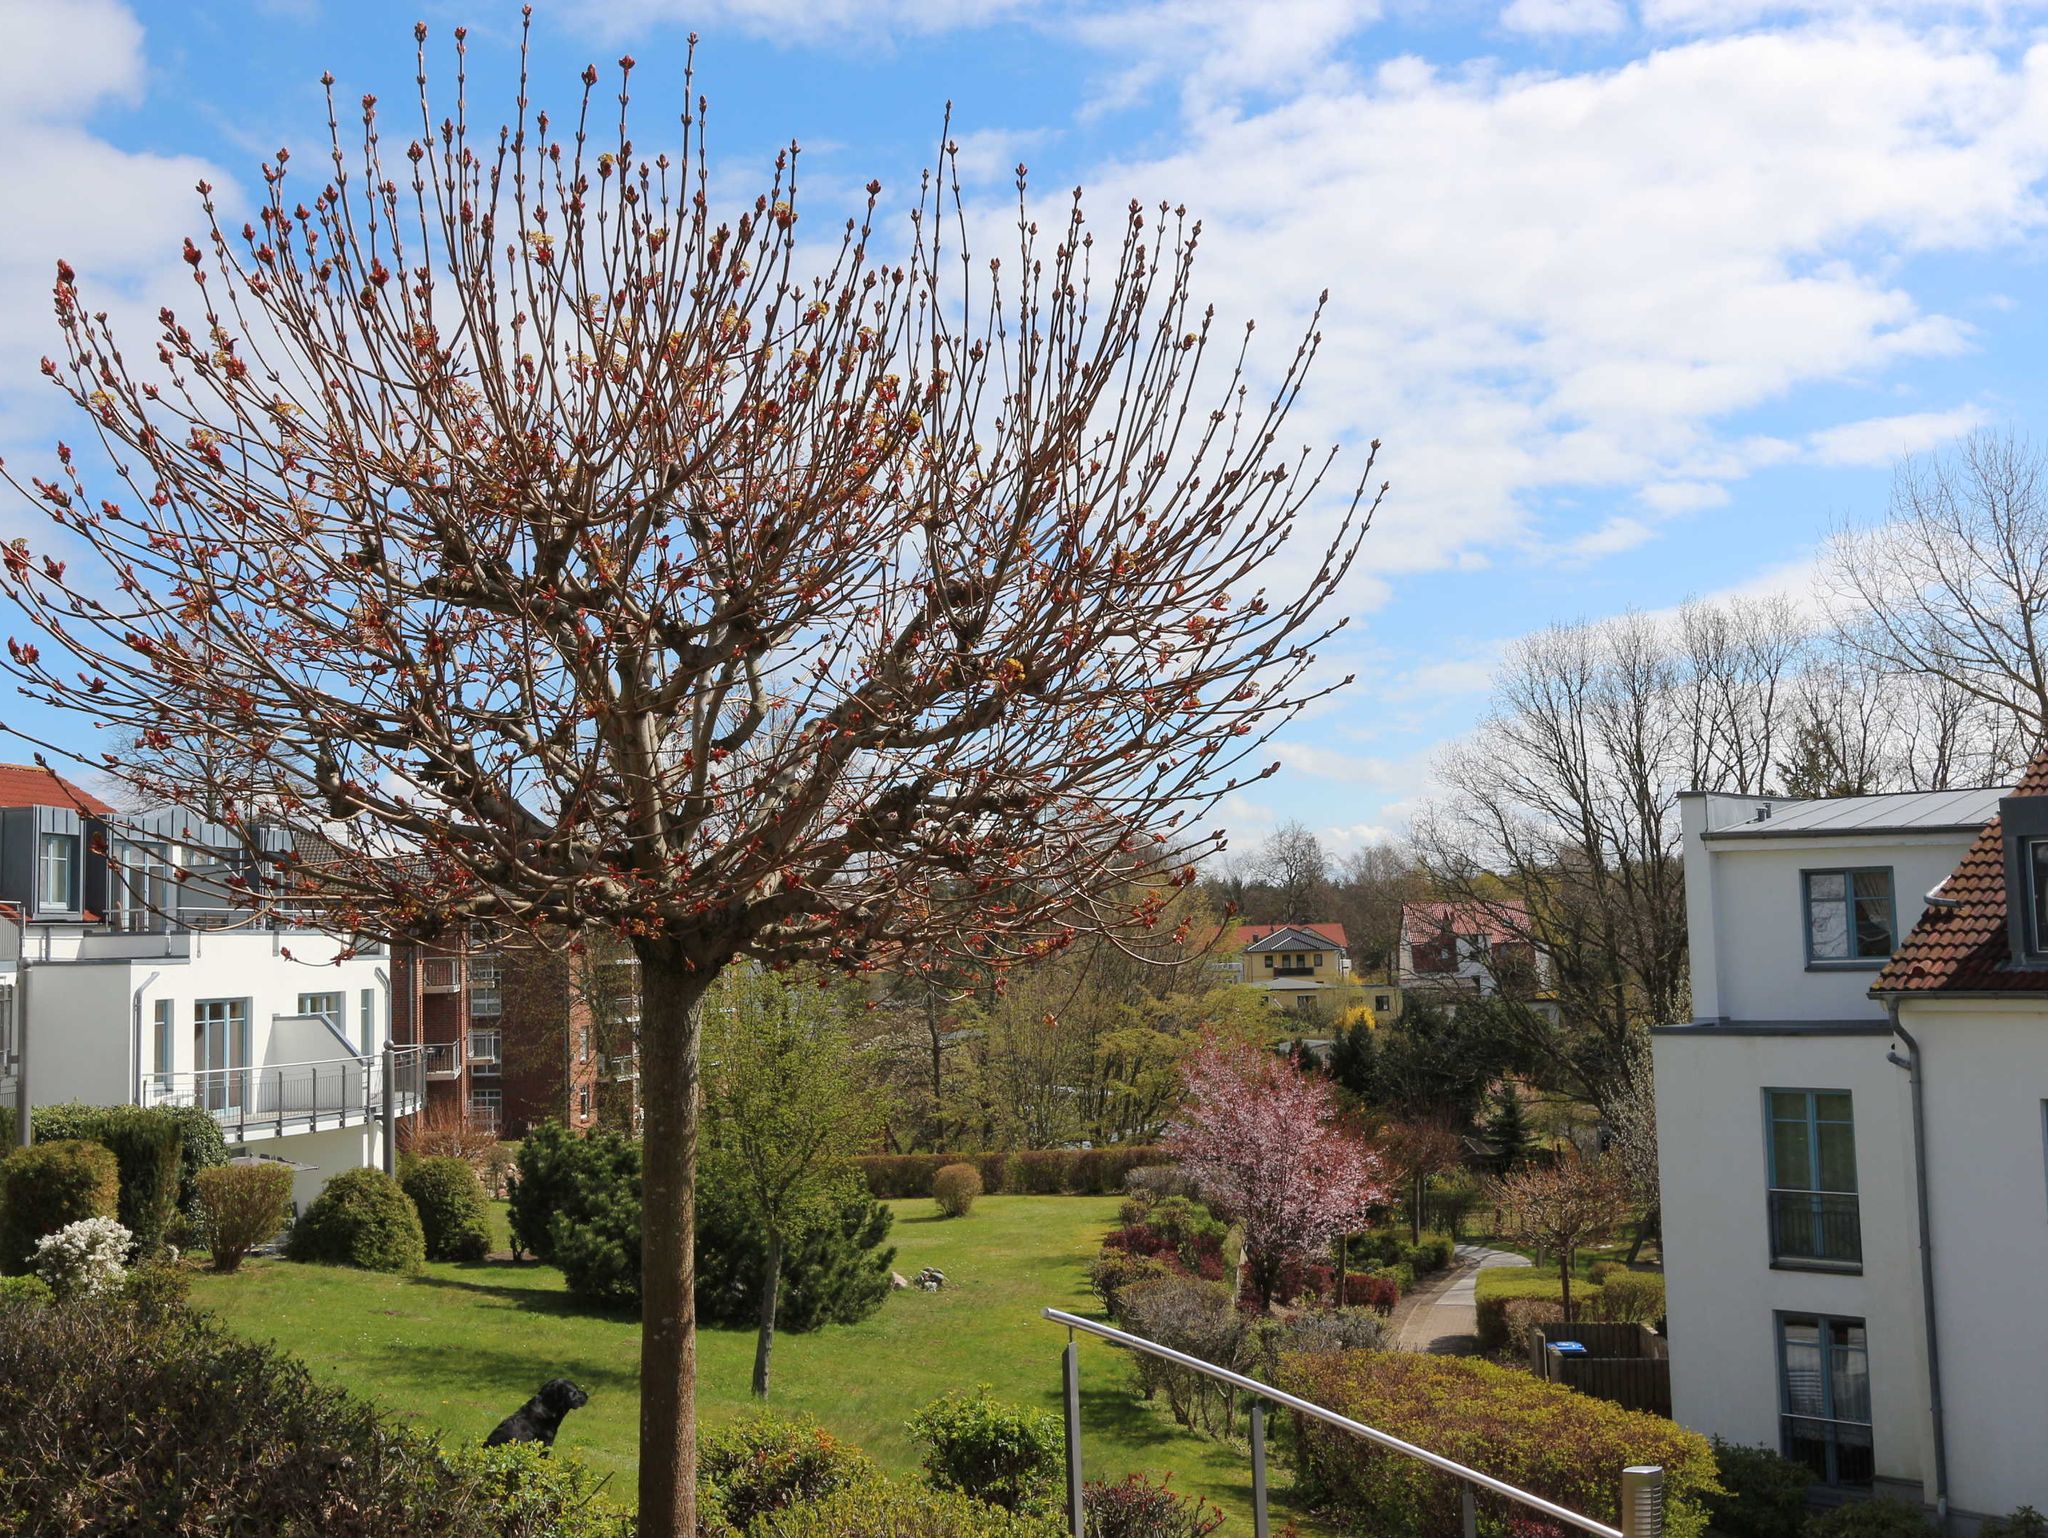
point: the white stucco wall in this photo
(1723, 1292)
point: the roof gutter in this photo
(1915, 1071)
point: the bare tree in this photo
(1373, 883)
(1292, 864)
(1954, 584)
(1739, 658)
(546, 553)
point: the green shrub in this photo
(954, 1188)
(147, 1144)
(1600, 1270)
(242, 1206)
(888, 1509)
(1007, 1455)
(450, 1201)
(595, 1235)
(1433, 1253)
(1525, 1316)
(1041, 1171)
(262, 1446)
(551, 1166)
(201, 1144)
(1763, 1495)
(1880, 1518)
(1134, 1507)
(1111, 1271)
(48, 1186)
(17, 1291)
(766, 1463)
(1495, 1285)
(1630, 1297)
(362, 1219)
(2023, 1523)
(1549, 1440)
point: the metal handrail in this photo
(1472, 1477)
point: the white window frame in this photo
(53, 844)
(331, 1005)
(486, 987)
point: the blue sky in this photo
(1639, 297)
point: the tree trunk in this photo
(771, 1288)
(671, 998)
(1646, 1225)
(1564, 1280)
(1415, 1210)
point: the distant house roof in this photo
(1276, 937)
(1912, 811)
(1960, 944)
(26, 785)
(1500, 922)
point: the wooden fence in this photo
(1628, 1364)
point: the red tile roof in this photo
(1960, 944)
(26, 785)
(1502, 922)
(1252, 934)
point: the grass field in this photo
(460, 1346)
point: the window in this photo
(1849, 916)
(486, 1105)
(369, 1021)
(486, 986)
(1824, 1397)
(1815, 1220)
(2036, 865)
(326, 1005)
(162, 1055)
(1381, 1002)
(583, 1103)
(484, 1049)
(57, 872)
(1269, 961)
(220, 1041)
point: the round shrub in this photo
(2025, 1522)
(1007, 1455)
(767, 1463)
(361, 1219)
(1880, 1518)
(45, 1187)
(1630, 1297)
(450, 1201)
(1134, 1507)
(86, 1259)
(1762, 1495)
(1600, 1270)
(242, 1206)
(955, 1187)
(886, 1509)
(23, 1290)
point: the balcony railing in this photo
(486, 1049)
(1816, 1228)
(1294, 971)
(441, 974)
(442, 1059)
(276, 1099)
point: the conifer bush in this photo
(449, 1198)
(362, 1219)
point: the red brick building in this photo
(508, 1034)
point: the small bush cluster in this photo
(362, 1219)
(954, 1189)
(1134, 1507)
(242, 1206)
(1880, 1518)
(48, 1186)
(1630, 1297)
(1762, 1494)
(1496, 1286)
(1386, 1248)
(1546, 1438)
(1034, 1172)
(134, 1134)
(1180, 1234)
(1007, 1455)
(888, 1509)
(2023, 1523)
(766, 1463)
(449, 1198)
(86, 1259)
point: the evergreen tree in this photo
(1354, 1061)
(1507, 1131)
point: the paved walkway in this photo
(1443, 1316)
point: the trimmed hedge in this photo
(362, 1219)
(888, 1509)
(450, 1201)
(49, 1185)
(1496, 1285)
(147, 1144)
(200, 1142)
(1036, 1172)
(1551, 1441)
(1631, 1297)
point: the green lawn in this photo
(461, 1346)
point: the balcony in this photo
(277, 1100)
(622, 1070)
(1295, 971)
(486, 1049)
(442, 1059)
(1822, 1230)
(441, 974)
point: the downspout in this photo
(136, 1074)
(1912, 1063)
(24, 1130)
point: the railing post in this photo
(1260, 1526)
(1642, 1501)
(1468, 1510)
(1070, 1373)
(277, 1093)
(313, 1101)
(390, 1113)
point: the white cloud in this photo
(1575, 18)
(1883, 440)
(1674, 497)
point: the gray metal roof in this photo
(1291, 938)
(1913, 811)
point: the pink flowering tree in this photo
(1272, 1144)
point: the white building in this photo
(1795, 1168)
(139, 989)
(1451, 951)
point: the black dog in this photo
(541, 1416)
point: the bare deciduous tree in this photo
(1293, 865)
(561, 558)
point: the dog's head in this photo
(561, 1396)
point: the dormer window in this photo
(2037, 892)
(2024, 822)
(57, 872)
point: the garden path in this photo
(1443, 1316)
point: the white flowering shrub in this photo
(85, 1259)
